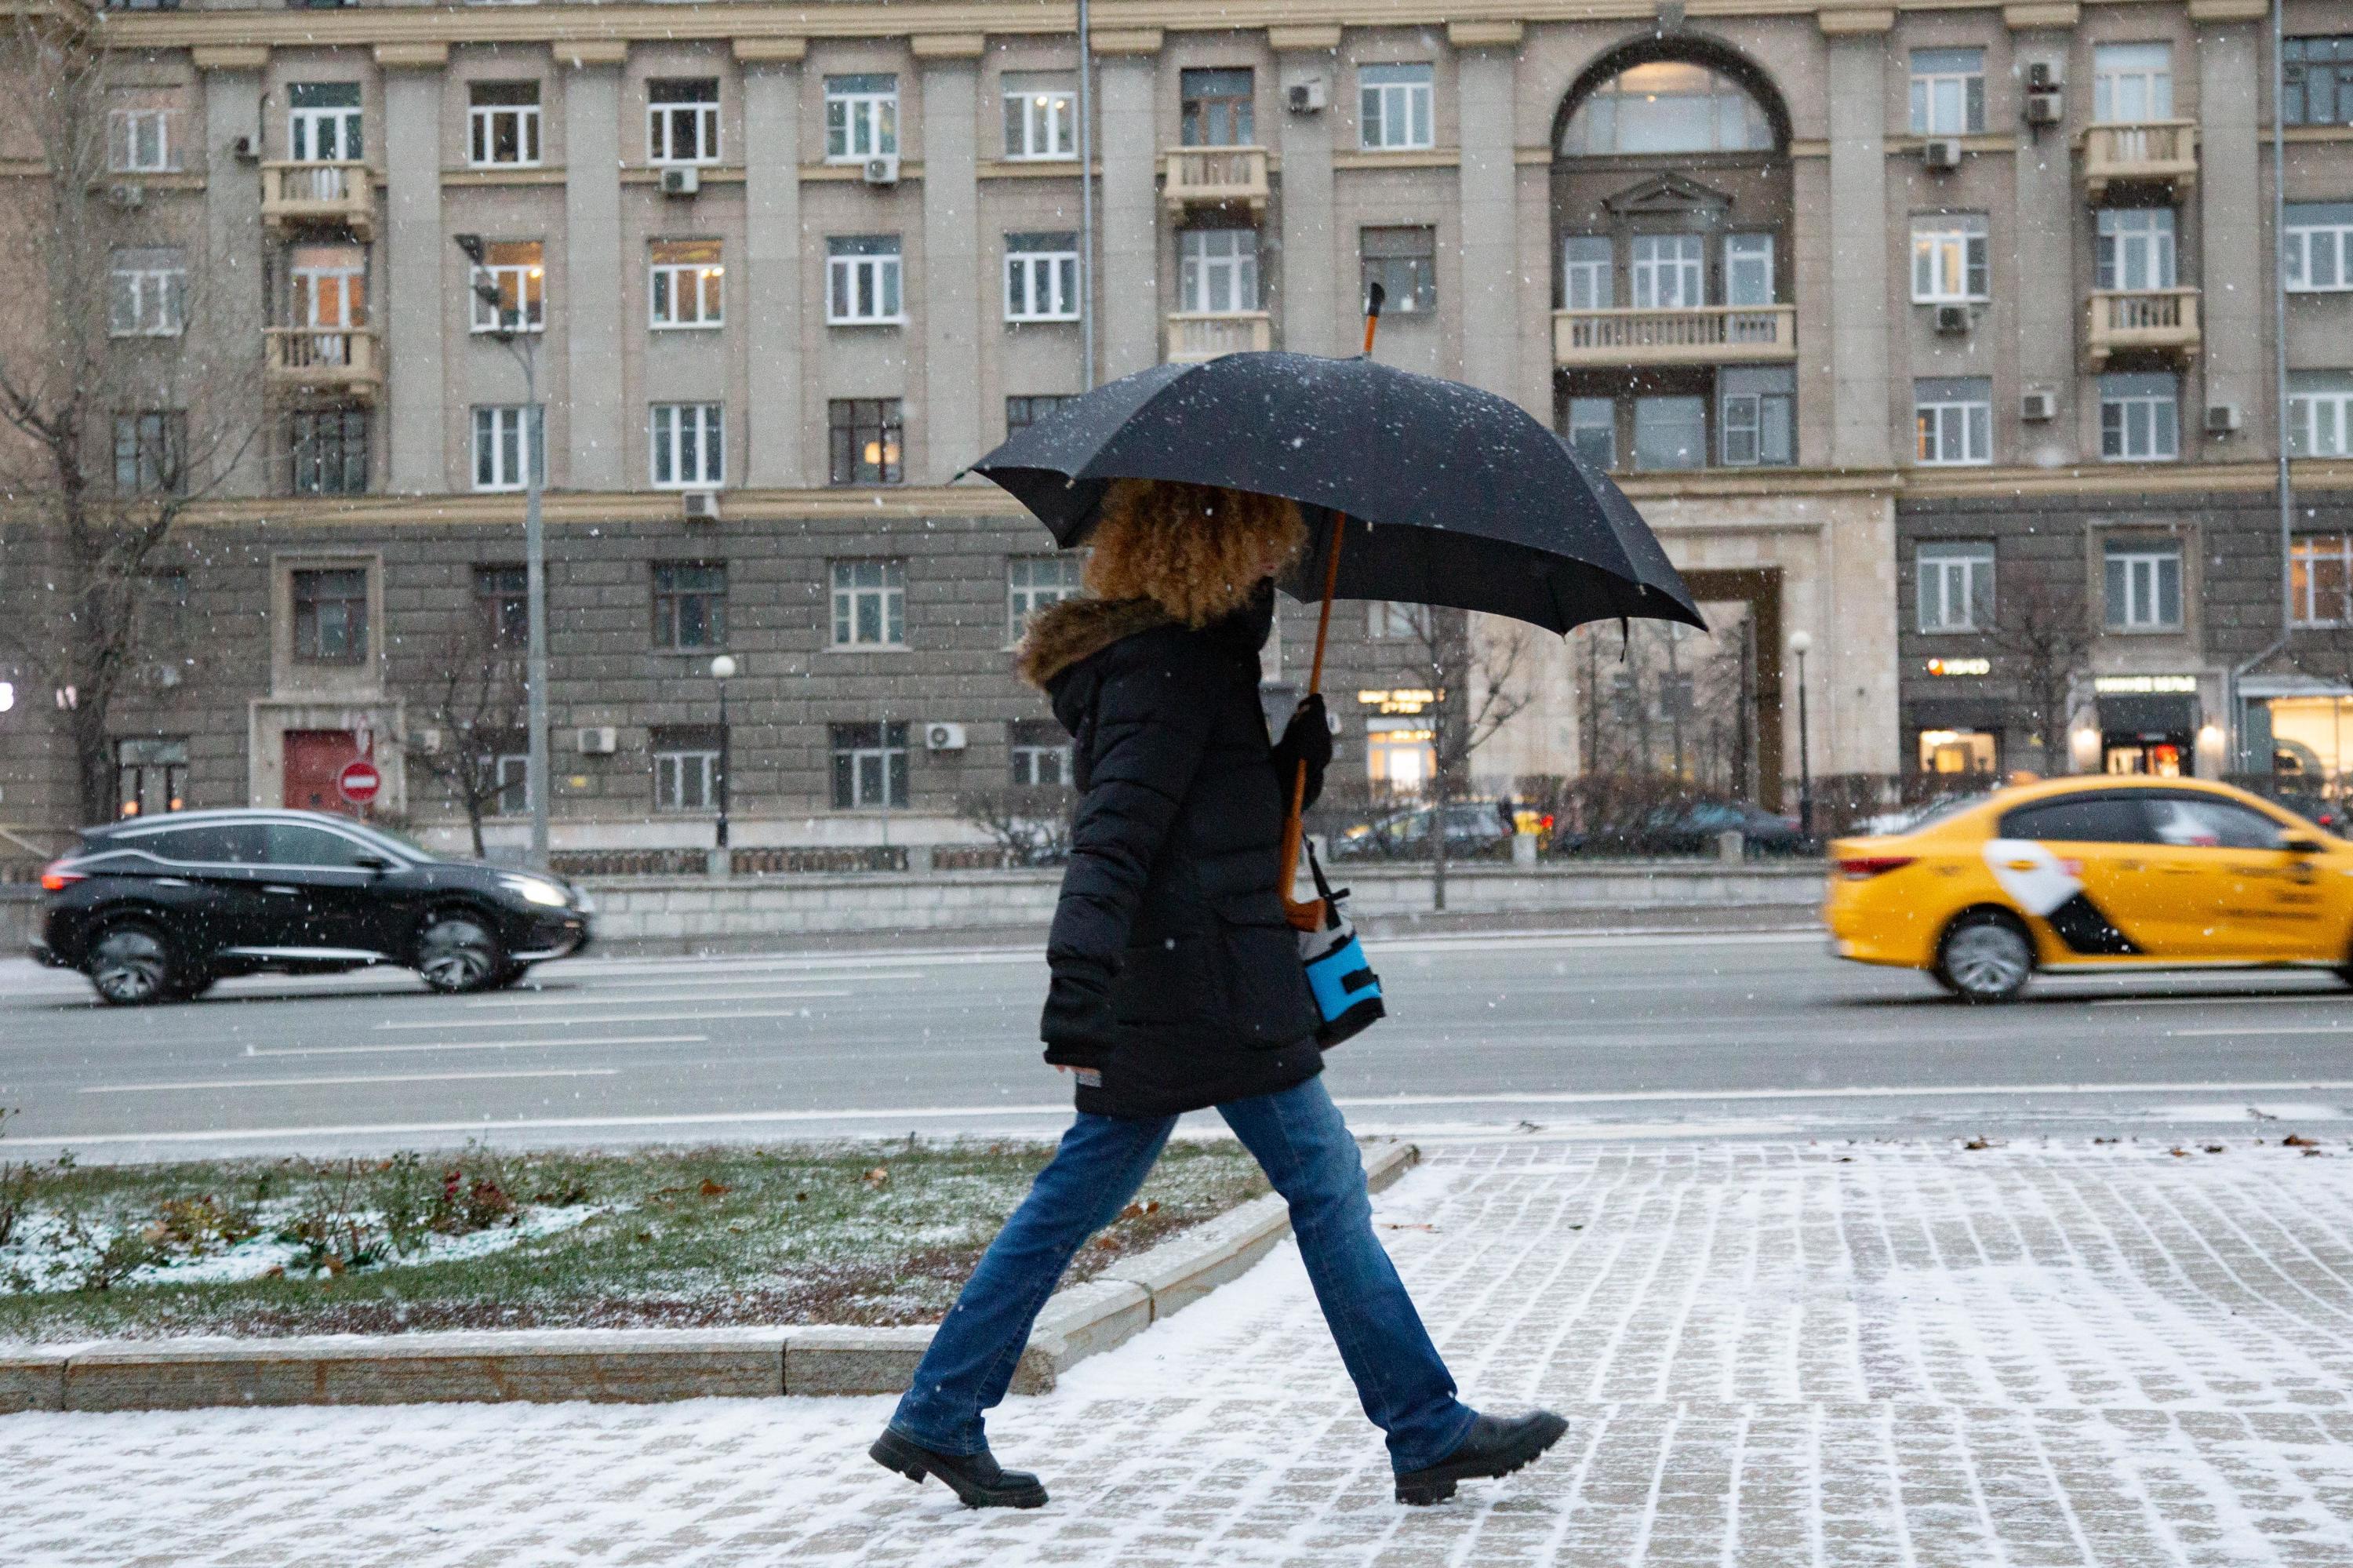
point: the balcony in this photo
(1214, 177)
(323, 362)
(319, 195)
(2140, 321)
(1198, 335)
(2162, 153)
(1710, 334)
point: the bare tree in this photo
(473, 714)
(1475, 677)
(2043, 632)
(1031, 823)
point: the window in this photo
(2080, 820)
(686, 278)
(512, 769)
(870, 766)
(2135, 249)
(2320, 579)
(1947, 92)
(1214, 109)
(1666, 106)
(2320, 413)
(2317, 81)
(323, 121)
(1041, 277)
(1404, 262)
(163, 611)
(862, 281)
(1021, 413)
(1216, 270)
(298, 843)
(864, 436)
(1393, 105)
(1041, 753)
(682, 121)
(2140, 419)
(686, 766)
(502, 600)
(149, 452)
(2132, 83)
(2198, 822)
(689, 452)
(1593, 431)
(690, 604)
(1040, 117)
(1757, 416)
(1670, 271)
(230, 844)
(499, 445)
(870, 604)
(331, 616)
(151, 777)
(516, 269)
(2317, 251)
(1949, 259)
(1669, 432)
(139, 141)
(1391, 621)
(1747, 269)
(1953, 421)
(503, 122)
(1955, 586)
(862, 117)
(1586, 284)
(2144, 587)
(329, 451)
(147, 293)
(1033, 582)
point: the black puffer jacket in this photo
(1177, 981)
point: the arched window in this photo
(1667, 106)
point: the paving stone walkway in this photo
(1899, 1354)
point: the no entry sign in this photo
(359, 782)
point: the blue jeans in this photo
(1299, 1138)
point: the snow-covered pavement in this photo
(1903, 1354)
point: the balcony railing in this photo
(319, 195)
(1216, 176)
(341, 362)
(2146, 152)
(1709, 334)
(2140, 321)
(1196, 336)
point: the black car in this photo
(157, 909)
(1474, 830)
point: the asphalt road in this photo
(1630, 1035)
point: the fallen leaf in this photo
(2179, 1153)
(877, 1177)
(710, 1189)
(2214, 1148)
(2298, 1140)
(1977, 1143)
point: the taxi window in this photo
(2080, 820)
(2196, 823)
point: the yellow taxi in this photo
(2093, 872)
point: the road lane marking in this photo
(387, 1050)
(353, 1078)
(586, 985)
(600, 999)
(650, 1018)
(2220, 999)
(2260, 1028)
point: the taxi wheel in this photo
(1985, 957)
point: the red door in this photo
(313, 759)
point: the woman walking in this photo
(1177, 986)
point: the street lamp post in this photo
(1802, 644)
(525, 346)
(723, 670)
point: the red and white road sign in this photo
(359, 782)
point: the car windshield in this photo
(1936, 810)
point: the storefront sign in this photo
(2145, 685)
(1404, 700)
(1960, 666)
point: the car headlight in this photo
(537, 890)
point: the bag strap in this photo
(1323, 885)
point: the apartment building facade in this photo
(1875, 312)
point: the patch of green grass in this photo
(837, 1233)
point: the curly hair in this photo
(1195, 550)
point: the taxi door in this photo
(2080, 863)
(2236, 891)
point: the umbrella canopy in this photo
(1453, 496)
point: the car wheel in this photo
(457, 952)
(1984, 958)
(131, 966)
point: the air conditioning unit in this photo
(1306, 96)
(2041, 77)
(242, 150)
(598, 740)
(2037, 405)
(944, 738)
(2045, 108)
(1953, 320)
(882, 170)
(701, 505)
(683, 182)
(1941, 152)
(2223, 419)
(127, 195)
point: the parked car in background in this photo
(158, 908)
(1695, 827)
(1474, 830)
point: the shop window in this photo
(1952, 751)
(1400, 755)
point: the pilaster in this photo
(772, 438)
(1489, 194)
(949, 290)
(1129, 297)
(592, 267)
(1315, 254)
(412, 320)
(1860, 399)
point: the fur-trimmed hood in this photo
(1061, 635)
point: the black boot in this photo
(1491, 1447)
(976, 1477)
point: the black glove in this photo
(1076, 1027)
(1308, 739)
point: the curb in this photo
(639, 1365)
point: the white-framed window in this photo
(502, 119)
(869, 765)
(1041, 277)
(2140, 418)
(1670, 271)
(1947, 92)
(870, 604)
(1216, 270)
(147, 293)
(2316, 251)
(2134, 249)
(139, 141)
(1041, 753)
(1949, 259)
(863, 281)
(2132, 83)
(499, 445)
(1956, 584)
(2320, 579)
(1391, 621)
(1747, 269)
(1404, 261)
(2320, 413)
(689, 446)
(1394, 106)
(512, 769)
(1041, 115)
(862, 117)
(323, 121)
(1587, 282)
(518, 270)
(1033, 582)
(1669, 432)
(687, 284)
(1593, 431)
(2144, 586)
(1952, 415)
(1757, 416)
(682, 121)
(686, 775)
